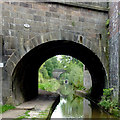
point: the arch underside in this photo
(25, 75)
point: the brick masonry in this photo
(114, 53)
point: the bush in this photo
(116, 112)
(51, 85)
(108, 103)
(5, 107)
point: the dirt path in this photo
(39, 107)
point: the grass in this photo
(25, 115)
(51, 85)
(42, 114)
(5, 107)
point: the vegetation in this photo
(26, 115)
(74, 71)
(73, 74)
(73, 23)
(46, 69)
(108, 103)
(67, 90)
(107, 23)
(38, 114)
(5, 107)
(51, 85)
(108, 33)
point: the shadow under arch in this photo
(25, 75)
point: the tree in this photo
(52, 64)
(65, 61)
(73, 67)
(43, 73)
(49, 67)
(74, 71)
(76, 76)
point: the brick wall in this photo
(114, 53)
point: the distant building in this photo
(57, 72)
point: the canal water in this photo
(72, 106)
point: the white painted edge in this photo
(1, 65)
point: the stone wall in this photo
(23, 21)
(114, 53)
(0, 19)
(87, 81)
(44, 17)
(1, 65)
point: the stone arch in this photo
(25, 66)
(40, 39)
(57, 72)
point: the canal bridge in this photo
(57, 72)
(32, 32)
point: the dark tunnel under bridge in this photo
(25, 75)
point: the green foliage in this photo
(108, 33)
(74, 71)
(5, 107)
(73, 23)
(49, 67)
(107, 22)
(66, 89)
(51, 85)
(26, 115)
(107, 92)
(42, 73)
(46, 69)
(55, 62)
(105, 103)
(40, 115)
(108, 104)
(75, 76)
(73, 67)
(51, 64)
(116, 112)
(81, 87)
